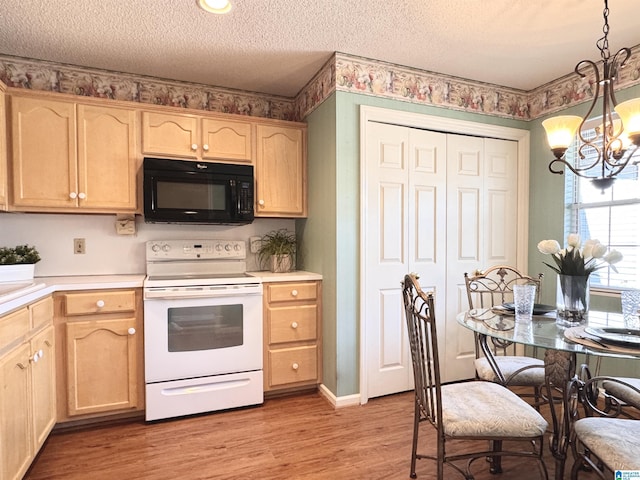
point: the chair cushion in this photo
(615, 441)
(624, 393)
(508, 364)
(486, 409)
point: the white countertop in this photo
(44, 286)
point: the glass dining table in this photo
(561, 344)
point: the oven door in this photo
(197, 337)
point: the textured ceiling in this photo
(276, 46)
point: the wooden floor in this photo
(286, 438)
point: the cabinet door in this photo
(3, 151)
(15, 403)
(167, 134)
(281, 172)
(43, 377)
(107, 162)
(102, 365)
(43, 153)
(226, 140)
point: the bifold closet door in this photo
(405, 178)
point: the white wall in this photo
(107, 252)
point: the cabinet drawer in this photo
(282, 292)
(14, 326)
(41, 312)
(293, 365)
(292, 324)
(100, 302)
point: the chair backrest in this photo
(423, 340)
(494, 286)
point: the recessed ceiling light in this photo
(215, 6)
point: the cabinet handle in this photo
(294, 325)
(205, 147)
(100, 303)
(21, 366)
(73, 195)
(294, 293)
(131, 331)
(82, 196)
(194, 146)
(261, 203)
(47, 343)
(295, 366)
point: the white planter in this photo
(16, 273)
(281, 263)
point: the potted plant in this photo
(17, 264)
(277, 249)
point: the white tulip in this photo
(573, 240)
(612, 257)
(587, 251)
(599, 250)
(549, 247)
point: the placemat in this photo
(578, 335)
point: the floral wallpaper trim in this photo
(41, 75)
(342, 72)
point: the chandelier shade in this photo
(610, 145)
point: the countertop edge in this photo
(296, 276)
(79, 282)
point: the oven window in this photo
(190, 196)
(204, 328)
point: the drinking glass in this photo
(523, 299)
(631, 308)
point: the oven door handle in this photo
(162, 294)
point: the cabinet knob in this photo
(34, 358)
(294, 293)
(100, 303)
(261, 203)
(194, 146)
(40, 353)
(131, 331)
(82, 196)
(73, 195)
(294, 325)
(295, 366)
(205, 147)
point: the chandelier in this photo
(613, 141)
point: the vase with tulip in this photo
(573, 265)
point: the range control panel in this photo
(196, 249)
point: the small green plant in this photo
(22, 254)
(279, 243)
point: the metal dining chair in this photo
(468, 411)
(499, 362)
(604, 443)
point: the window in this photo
(612, 216)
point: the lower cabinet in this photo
(100, 357)
(27, 383)
(293, 350)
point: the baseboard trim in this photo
(339, 402)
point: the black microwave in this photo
(180, 191)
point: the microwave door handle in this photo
(235, 199)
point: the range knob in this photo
(155, 247)
(218, 247)
(166, 248)
(227, 247)
(237, 247)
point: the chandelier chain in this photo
(603, 43)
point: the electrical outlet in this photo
(79, 245)
(254, 244)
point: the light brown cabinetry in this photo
(100, 356)
(191, 136)
(72, 157)
(293, 346)
(27, 383)
(281, 171)
(3, 148)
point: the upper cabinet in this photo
(195, 137)
(3, 149)
(281, 171)
(72, 157)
